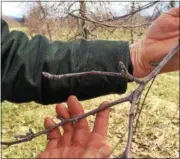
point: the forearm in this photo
(23, 62)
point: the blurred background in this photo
(80, 19)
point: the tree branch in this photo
(107, 25)
(124, 74)
(133, 98)
(134, 12)
(29, 136)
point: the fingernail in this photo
(46, 118)
(61, 105)
(54, 119)
(73, 96)
(103, 103)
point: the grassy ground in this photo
(157, 135)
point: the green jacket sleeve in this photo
(24, 60)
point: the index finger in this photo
(101, 121)
(54, 135)
(76, 109)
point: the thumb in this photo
(174, 12)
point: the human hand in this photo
(161, 37)
(77, 141)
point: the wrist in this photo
(136, 53)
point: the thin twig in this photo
(139, 91)
(134, 12)
(28, 137)
(136, 96)
(124, 74)
(108, 25)
(119, 141)
(139, 110)
(133, 98)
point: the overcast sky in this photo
(19, 9)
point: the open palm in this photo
(77, 140)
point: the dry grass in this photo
(157, 135)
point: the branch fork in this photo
(132, 98)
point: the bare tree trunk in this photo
(132, 31)
(45, 18)
(82, 26)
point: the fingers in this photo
(76, 109)
(63, 112)
(54, 135)
(68, 128)
(97, 146)
(174, 12)
(53, 153)
(44, 155)
(81, 128)
(101, 121)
